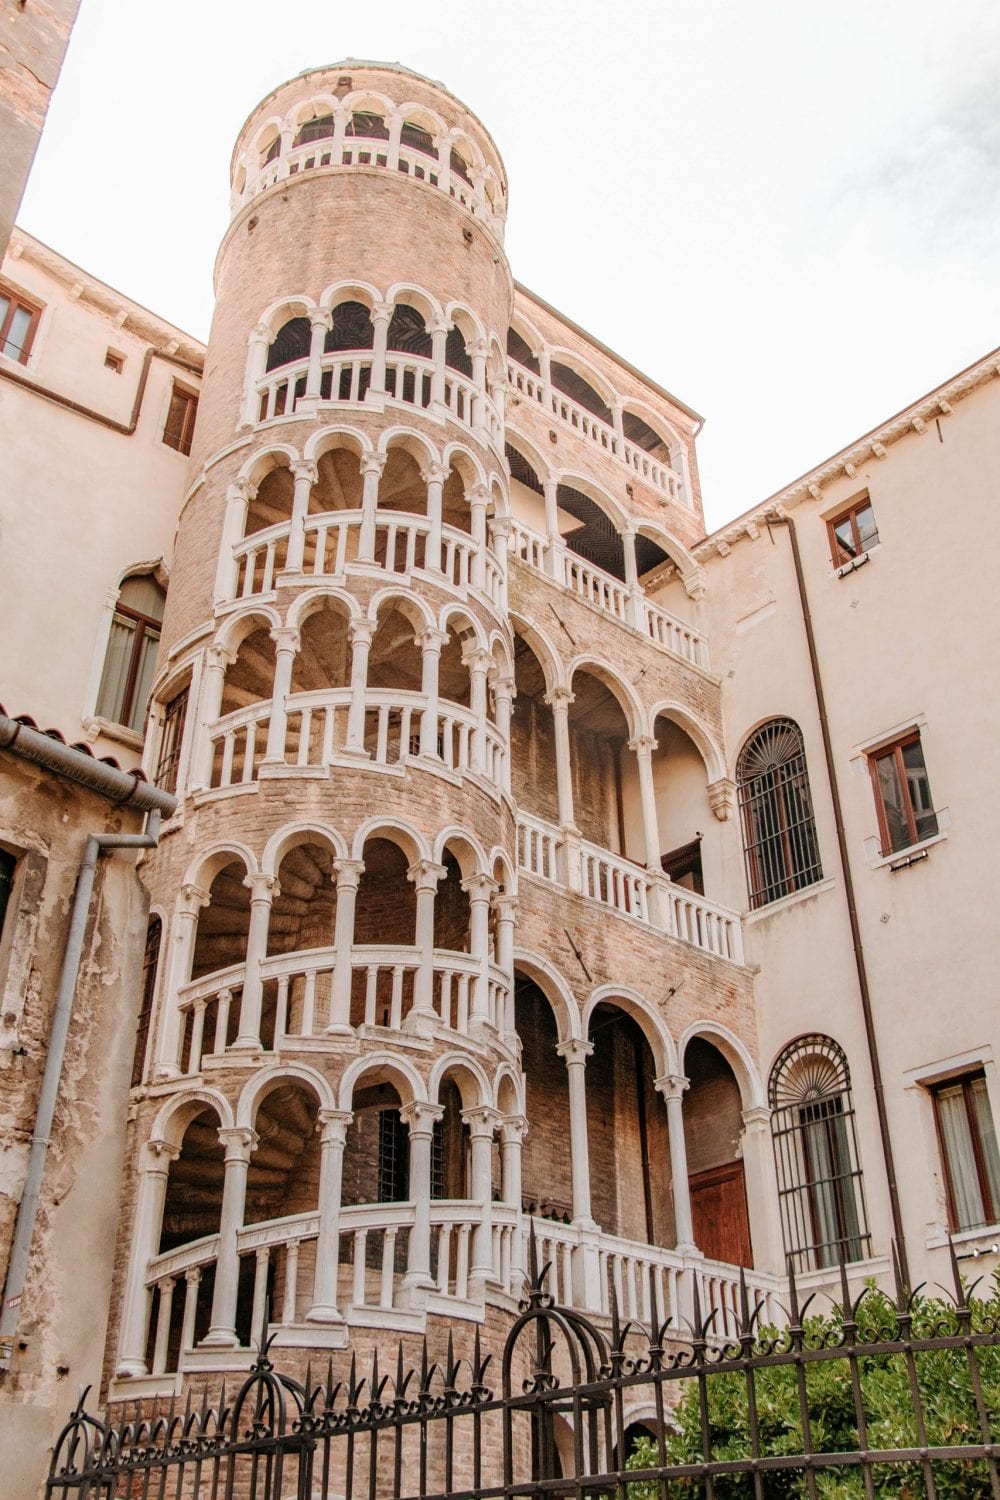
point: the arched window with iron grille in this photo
(820, 1187)
(779, 829)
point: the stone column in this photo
(617, 422)
(643, 748)
(554, 546)
(348, 873)
(177, 972)
(259, 343)
(150, 1200)
(305, 474)
(506, 917)
(420, 1119)
(503, 697)
(439, 354)
(479, 499)
(263, 889)
(286, 645)
(559, 701)
(320, 323)
(576, 1051)
(636, 598)
(371, 468)
(500, 540)
(239, 1143)
(480, 890)
(333, 1137)
(341, 120)
(513, 1130)
(238, 497)
(425, 876)
(762, 1190)
(672, 1086)
(392, 146)
(287, 137)
(381, 318)
(361, 639)
(545, 370)
(431, 644)
(434, 476)
(482, 1122)
(479, 351)
(209, 704)
(478, 663)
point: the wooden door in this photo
(719, 1213)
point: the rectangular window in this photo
(852, 532)
(18, 324)
(170, 741)
(179, 427)
(393, 1158)
(968, 1150)
(902, 793)
(114, 361)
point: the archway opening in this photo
(713, 1132)
(546, 1160)
(599, 735)
(303, 917)
(532, 738)
(385, 918)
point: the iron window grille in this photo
(171, 736)
(820, 1188)
(903, 801)
(393, 1158)
(852, 532)
(779, 829)
(968, 1143)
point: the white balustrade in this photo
(595, 586)
(258, 558)
(614, 880)
(595, 430)
(675, 636)
(714, 928)
(239, 740)
(538, 845)
(527, 546)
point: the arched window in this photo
(291, 342)
(131, 655)
(319, 129)
(816, 1155)
(779, 830)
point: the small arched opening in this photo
(385, 917)
(303, 917)
(546, 1160)
(713, 1132)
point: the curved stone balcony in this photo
(395, 729)
(311, 997)
(401, 548)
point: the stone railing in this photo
(595, 430)
(608, 594)
(346, 377)
(298, 997)
(628, 888)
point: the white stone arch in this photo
(602, 498)
(337, 435)
(496, 361)
(466, 458)
(349, 291)
(256, 1089)
(462, 142)
(455, 608)
(267, 130)
(412, 113)
(582, 366)
(460, 1062)
(275, 456)
(455, 834)
(313, 108)
(177, 1112)
(556, 991)
(292, 834)
(415, 609)
(527, 330)
(645, 1014)
(498, 644)
(234, 630)
(538, 460)
(500, 856)
(313, 600)
(417, 297)
(703, 740)
(392, 1068)
(281, 312)
(735, 1052)
(546, 654)
(458, 313)
(506, 1073)
(360, 100)
(685, 561)
(623, 691)
(207, 863)
(417, 444)
(396, 831)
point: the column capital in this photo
(191, 899)
(501, 525)
(671, 1085)
(425, 874)
(477, 660)
(321, 317)
(259, 334)
(438, 325)
(513, 1129)
(305, 468)
(479, 887)
(482, 1120)
(285, 638)
(478, 348)
(361, 631)
(420, 1116)
(262, 887)
(643, 744)
(478, 494)
(382, 312)
(576, 1049)
(348, 873)
(432, 640)
(435, 473)
(162, 1152)
(722, 797)
(506, 907)
(504, 687)
(219, 656)
(243, 489)
(373, 463)
(239, 1142)
(560, 697)
(333, 1125)
(757, 1118)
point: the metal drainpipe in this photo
(852, 910)
(122, 788)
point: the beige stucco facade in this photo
(457, 926)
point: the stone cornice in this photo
(912, 420)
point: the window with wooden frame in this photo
(130, 659)
(852, 532)
(18, 324)
(179, 427)
(172, 733)
(968, 1143)
(779, 829)
(906, 813)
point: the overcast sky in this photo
(786, 213)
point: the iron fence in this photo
(888, 1396)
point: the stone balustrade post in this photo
(333, 1125)
(239, 1143)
